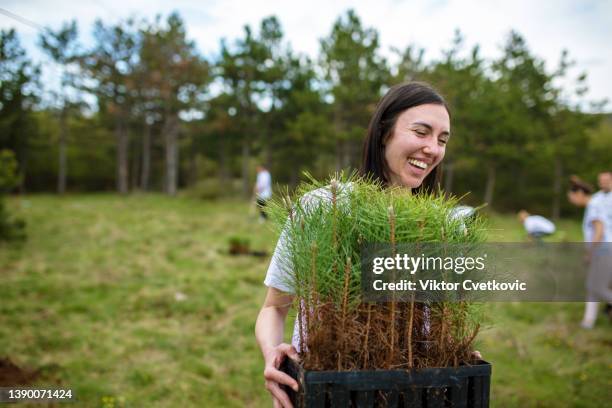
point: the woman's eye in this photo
(443, 141)
(421, 132)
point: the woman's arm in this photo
(597, 238)
(599, 231)
(269, 331)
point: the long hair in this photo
(397, 100)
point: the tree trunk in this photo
(266, 139)
(557, 186)
(339, 141)
(146, 158)
(294, 177)
(267, 154)
(271, 127)
(338, 154)
(223, 171)
(349, 153)
(61, 168)
(122, 156)
(246, 155)
(22, 167)
(135, 169)
(490, 187)
(171, 141)
(448, 177)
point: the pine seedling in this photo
(322, 232)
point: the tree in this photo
(272, 61)
(242, 70)
(462, 81)
(509, 112)
(355, 74)
(600, 144)
(411, 65)
(568, 129)
(18, 86)
(10, 228)
(221, 134)
(110, 65)
(63, 48)
(180, 76)
(306, 133)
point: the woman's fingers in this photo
(274, 377)
(477, 354)
(278, 394)
(272, 374)
(289, 350)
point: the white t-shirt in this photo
(264, 185)
(279, 271)
(536, 224)
(603, 201)
(596, 210)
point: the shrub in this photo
(9, 178)
(239, 245)
(11, 228)
(207, 189)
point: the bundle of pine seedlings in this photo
(322, 230)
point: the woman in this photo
(597, 256)
(404, 146)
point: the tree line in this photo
(141, 109)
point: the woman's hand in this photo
(476, 354)
(269, 330)
(273, 357)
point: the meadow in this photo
(134, 301)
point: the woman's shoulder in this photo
(324, 194)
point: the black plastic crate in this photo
(465, 386)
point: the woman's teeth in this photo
(418, 163)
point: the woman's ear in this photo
(385, 139)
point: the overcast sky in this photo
(584, 27)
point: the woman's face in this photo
(417, 144)
(578, 198)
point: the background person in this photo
(262, 190)
(603, 199)
(597, 257)
(536, 226)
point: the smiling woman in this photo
(404, 147)
(407, 137)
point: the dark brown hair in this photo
(397, 100)
(577, 184)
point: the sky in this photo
(584, 27)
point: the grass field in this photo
(133, 302)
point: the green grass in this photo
(91, 300)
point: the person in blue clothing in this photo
(603, 199)
(598, 256)
(536, 226)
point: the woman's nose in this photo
(431, 147)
